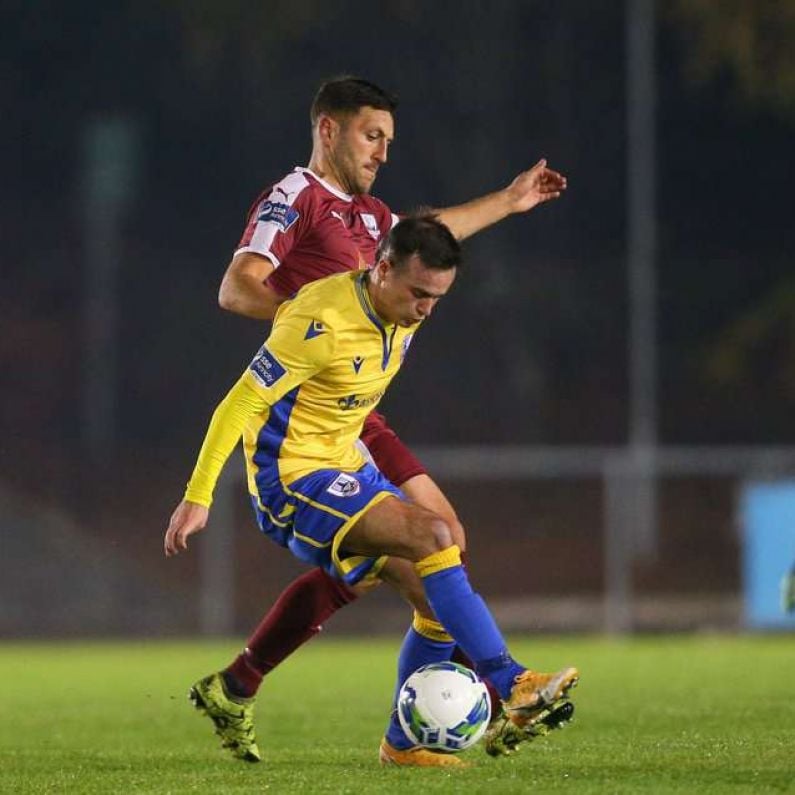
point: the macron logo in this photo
(316, 328)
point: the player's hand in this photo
(788, 591)
(535, 186)
(188, 518)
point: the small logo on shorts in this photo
(344, 486)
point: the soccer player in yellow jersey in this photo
(300, 406)
(316, 221)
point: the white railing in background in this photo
(628, 474)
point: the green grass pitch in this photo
(701, 714)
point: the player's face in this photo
(408, 295)
(360, 147)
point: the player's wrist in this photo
(508, 200)
(198, 496)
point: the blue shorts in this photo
(312, 516)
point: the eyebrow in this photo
(425, 293)
(381, 132)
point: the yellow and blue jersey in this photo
(300, 406)
(323, 369)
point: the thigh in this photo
(396, 527)
(322, 507)
(399, 465)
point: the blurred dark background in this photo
(168, 117)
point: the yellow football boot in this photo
(533, 692)
(416, 757)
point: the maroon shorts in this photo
(391, 456)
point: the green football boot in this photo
(233, 717)
(503, 735)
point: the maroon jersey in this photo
(309, 229)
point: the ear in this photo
(327, 129)
(381, 269)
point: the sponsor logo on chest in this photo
(350, 402)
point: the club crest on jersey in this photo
(344, 485)
(278, 213)
(266, 368)
(316, 328)
(371, 225)
(404, 348)
(357, 364)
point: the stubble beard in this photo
(345, 165)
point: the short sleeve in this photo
(278, 219)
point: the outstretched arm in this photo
(532, 187)
(243, 289)
(225, 430)
(280, 365)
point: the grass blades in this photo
(701, 714)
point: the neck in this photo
(319, 164)
(372, 295)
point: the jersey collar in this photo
(364, 300)
(330, 188)
(387, 337)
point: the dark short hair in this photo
(427, 237)
(346, 95)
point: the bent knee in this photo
(441, 533)
(458, 533)
(431, 534)
(454, 526)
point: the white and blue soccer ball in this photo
(444, 706)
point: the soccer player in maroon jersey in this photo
(313, 222)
